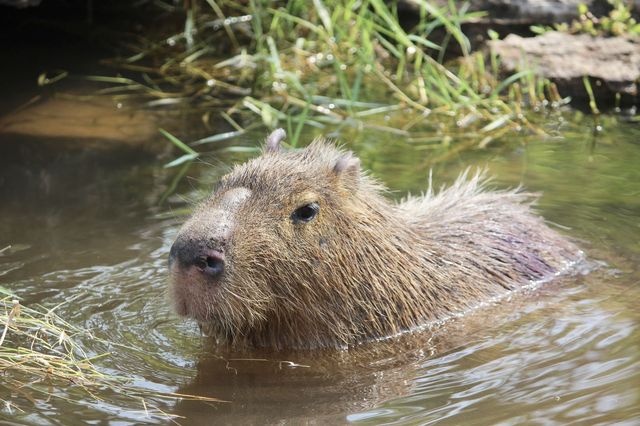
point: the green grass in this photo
(592, 99)
(324, 64)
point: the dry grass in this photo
(40, 351)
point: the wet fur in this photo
(365, 267)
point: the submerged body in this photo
(300, 249)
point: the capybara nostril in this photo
(190, 253)
(211, 263)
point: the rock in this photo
(613, 63)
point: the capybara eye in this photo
(305, 213)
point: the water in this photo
(94, 237)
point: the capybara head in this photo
(260, 258)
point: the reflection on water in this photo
(97, 238)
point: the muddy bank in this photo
(98, 122)
(51, 130)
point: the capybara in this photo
(300, 249)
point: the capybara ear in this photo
(348, 167)
(274, 139)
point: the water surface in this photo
(95, 236)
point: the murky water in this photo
(95, 238)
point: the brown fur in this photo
(364, 268)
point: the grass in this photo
(323, 64)
(592, 99)
(40, 351)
